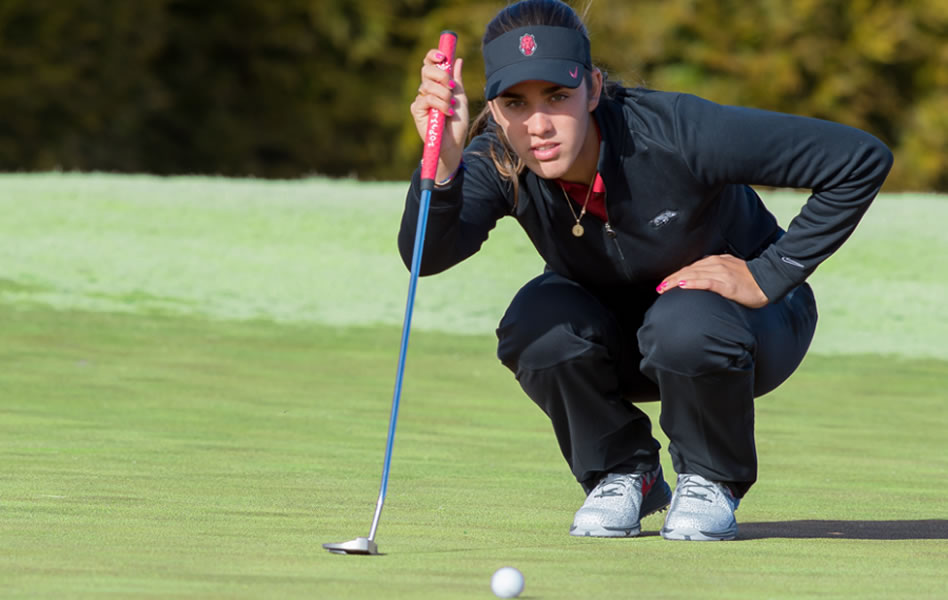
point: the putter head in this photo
(359, 545)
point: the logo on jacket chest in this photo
(663, 218)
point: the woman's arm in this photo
(461, 215)
(467, 205)
(844, 167)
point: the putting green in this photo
(149, 456)
(190, 406)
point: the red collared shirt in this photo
(597, 202)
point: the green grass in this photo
(323, 251)
(195, 389)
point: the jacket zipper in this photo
(612, 234)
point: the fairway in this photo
(197, 375)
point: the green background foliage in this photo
(284, 88)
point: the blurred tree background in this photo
(288, 88)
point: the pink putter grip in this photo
(429, 160)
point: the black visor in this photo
(559, 55)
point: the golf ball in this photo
(507, 582)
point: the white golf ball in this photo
(507, 582)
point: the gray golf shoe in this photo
(618, 502)
(701, 510)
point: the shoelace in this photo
(687, 488)
(614, 486)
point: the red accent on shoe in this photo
(648, 481)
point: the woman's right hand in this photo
(438, 90)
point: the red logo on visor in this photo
(528, 44)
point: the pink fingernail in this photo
(682, 283)
(451, 84)
(450, 112)
(453, 101)
(439, 57)
(661, 287)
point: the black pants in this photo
(585, 355)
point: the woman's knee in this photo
(551, 320)
(694, 333)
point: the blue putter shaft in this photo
(429, 167)
(403, 350)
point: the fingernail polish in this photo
(451, 84)
(439, 57)
(661, 287)
(450, 112)
(682, 284)
(454, 101)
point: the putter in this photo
(429, 169)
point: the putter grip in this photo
(436, 118)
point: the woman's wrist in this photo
(442, 180)
(448, 168)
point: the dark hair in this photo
(526, 13)
(533, 13)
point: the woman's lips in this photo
(546, 151)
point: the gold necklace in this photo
(578, 229)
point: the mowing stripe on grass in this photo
(323, 251)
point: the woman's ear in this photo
(595, 88)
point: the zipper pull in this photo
(612, 234)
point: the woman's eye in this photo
(558, 97)
(514, 103)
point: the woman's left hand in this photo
(722, 274)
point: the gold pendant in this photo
(578, 230)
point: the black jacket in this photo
(676, 170)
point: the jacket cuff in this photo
(444, 196)
(777, 275)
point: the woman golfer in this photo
(666, 277)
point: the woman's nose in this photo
(539, 123)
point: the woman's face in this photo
(550, 127)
